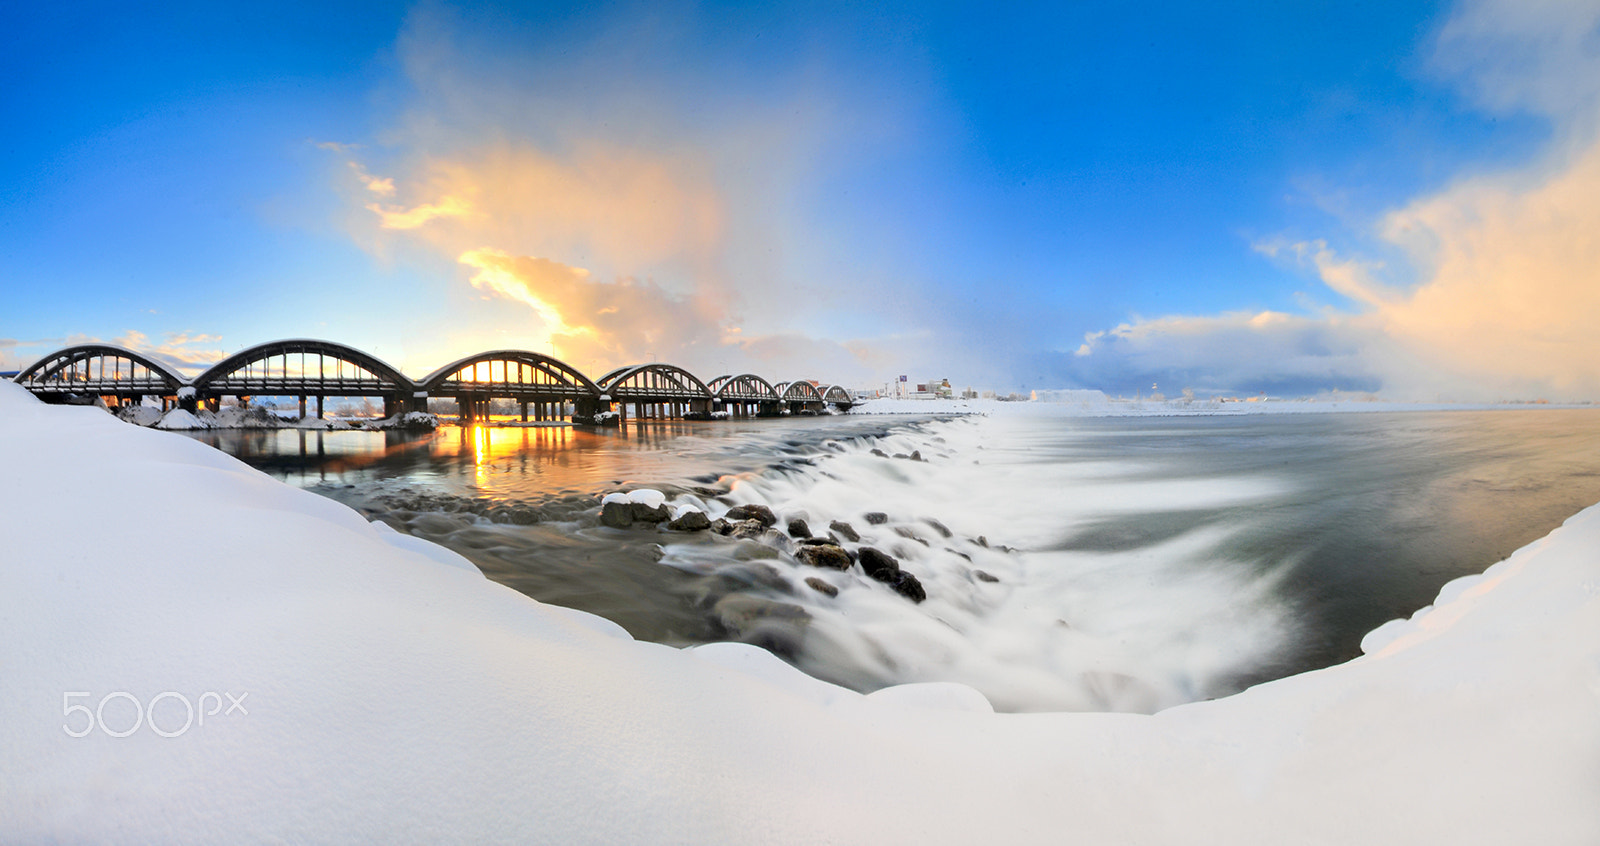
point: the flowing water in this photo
(1070, 563)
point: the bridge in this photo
(544, 388)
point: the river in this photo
(1070, 563)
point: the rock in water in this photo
(985, 576)
(907, 586)
(799, 529)
(691, 521)
(753, 512)
(778, 627)
(877, 518)
(845, 530)
(825, 555)
(821, 586)
(748, 529)
(643, 513)
(876, 563)
(617, 515)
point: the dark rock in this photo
(524, 516)
(845, 531)
(721, 526)
(937, 527)
(617, 515)
(983, 541)
(650, 514)
(877, 518)
(984, 576)
(817, 542)
(916, 455)
(907, 586)
(875, 562)
(778, 627)
(748, 529)
(902, 456)
(691, 521)
(821, 586)
(799, 529)
(753, 512)
(879, 453)
(822, 555)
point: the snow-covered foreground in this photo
(356, 685)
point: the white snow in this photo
(387, 692)
(178, 418)
(647, 497)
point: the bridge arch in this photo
(657, 390)
(527, 377)
(797, 391)
(836, 395)
(744, 395)
(305, 367)
(239, 370)
(799, 396)
(82, 370)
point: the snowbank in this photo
(355, 685)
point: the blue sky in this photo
(1231, 197)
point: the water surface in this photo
(1070, 563)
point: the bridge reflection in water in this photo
(544, 388)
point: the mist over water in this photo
(1069, 563)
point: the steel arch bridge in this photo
(533, 379)
(303, 368)
(799, 396)
(314, 368)
(656, 391)
(745, 395)
(838, 396)
(82, 371)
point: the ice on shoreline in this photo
(390, 693)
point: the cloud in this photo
(16, 354)
(1508, 289)
(394, 217)
(1512, 291)
(189, 353)
(627, 204)
(615, 322)
(1236, 353)
(1512, 56)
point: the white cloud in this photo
(1509, 263)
